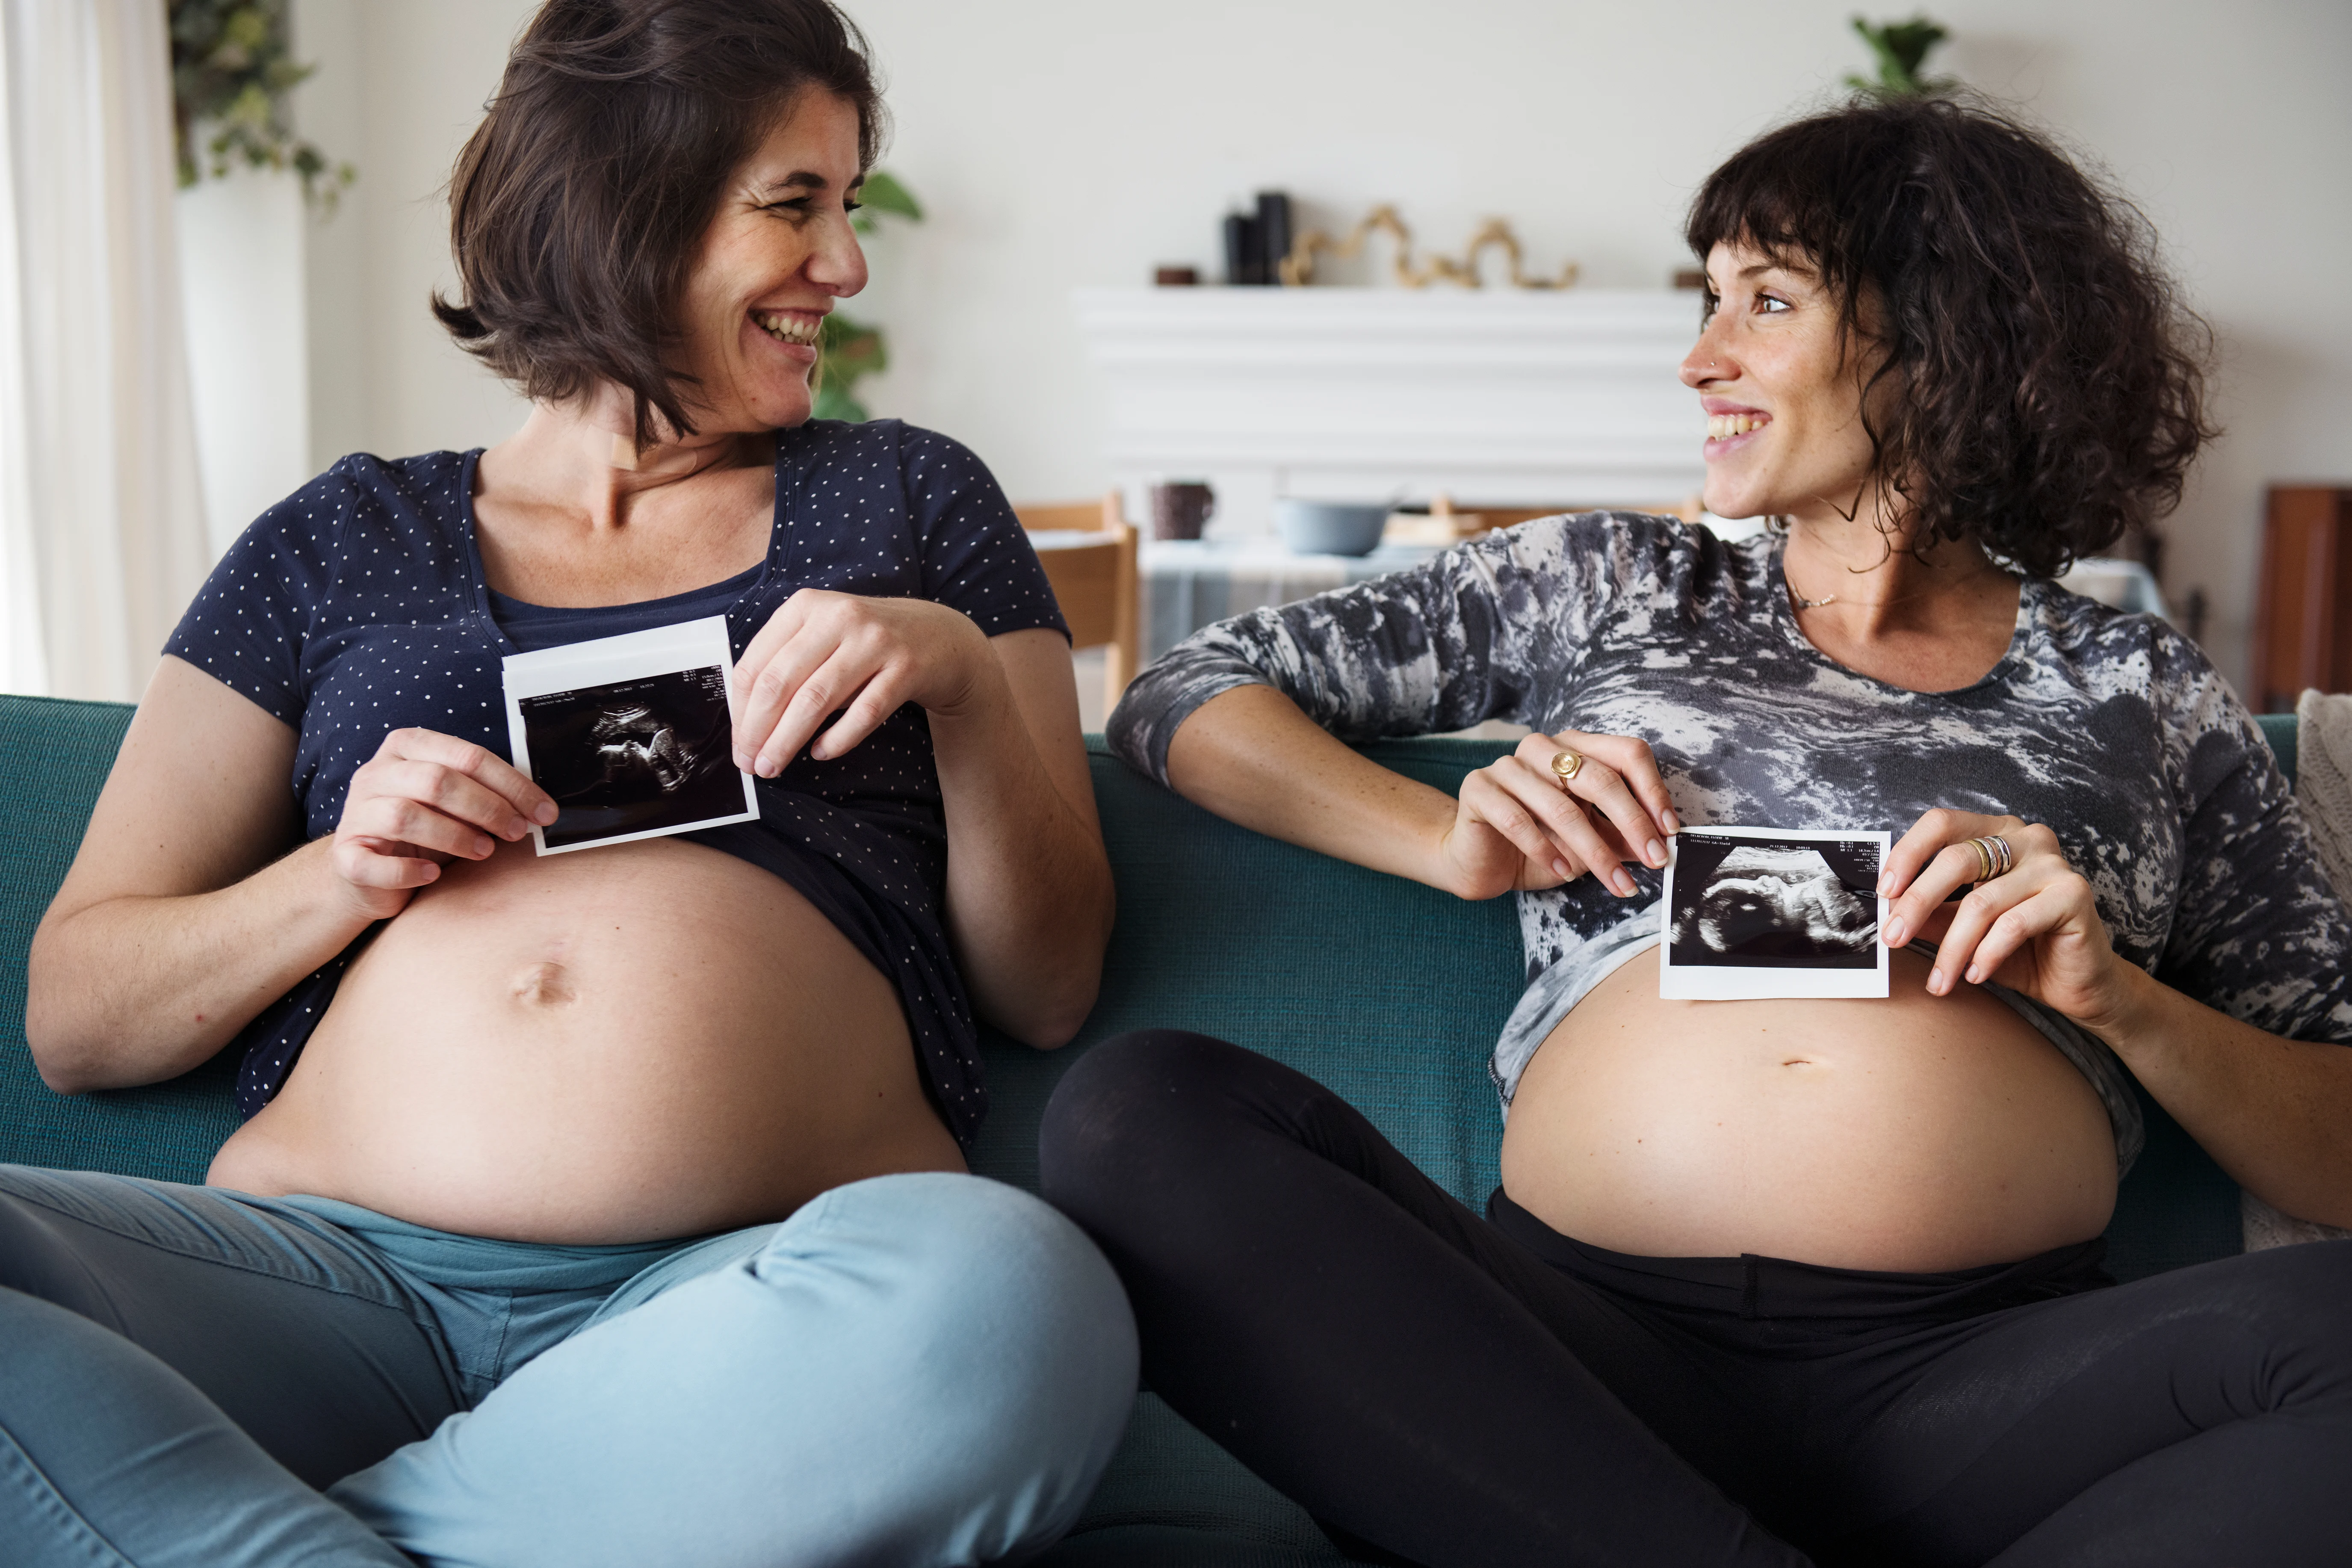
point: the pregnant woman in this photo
(608, 1208)
(1776, 1282)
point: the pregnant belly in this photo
(1910, 1134)
(650, 1040)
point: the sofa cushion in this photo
(1391, 992)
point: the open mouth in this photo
(1724, 426)
(796, 327)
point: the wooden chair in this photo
(1094, 580)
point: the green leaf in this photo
(882, 192)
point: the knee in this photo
(1002, 1305)
(1125, 1100)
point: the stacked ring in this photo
(1994, 856)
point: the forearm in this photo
(1251, 756)
(2276, 1114)
(133, 990)
(1029, 899)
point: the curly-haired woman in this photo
(1773, 1281)
(604, 1207)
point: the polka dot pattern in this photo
(357, 606)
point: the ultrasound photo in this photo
(634, 755)
(649, 752)
(1764, 912)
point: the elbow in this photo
(63, 1067)
(1054, 1028)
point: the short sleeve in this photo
(247, 624)
(1482, 631)
(975, 555)
(2258, 932)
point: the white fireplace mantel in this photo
(1505, 397)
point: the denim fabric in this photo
(915, 1368)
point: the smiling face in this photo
(1782, 387)
(777, 255)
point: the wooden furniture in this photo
(1087, 549)
(2303, 613)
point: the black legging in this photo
(1459, 1390)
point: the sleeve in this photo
(975, 556)
(1482, 631)
(247, 624)
(2258, 932)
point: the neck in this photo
(1873, 583)
(583, 457)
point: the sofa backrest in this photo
(1390, 992)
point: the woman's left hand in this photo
(823, 653)
(2034, 928)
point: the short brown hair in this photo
(2051, 382)
(578, 203)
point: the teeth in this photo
(791, 329)
(1721, 425)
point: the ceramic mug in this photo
(1181, 508)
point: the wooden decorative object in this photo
(2303, 615)
(1298, 266)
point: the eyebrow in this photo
(797, 177)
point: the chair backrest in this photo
(1088, 551)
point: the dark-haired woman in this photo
(605, 1208)
(1776, 1282)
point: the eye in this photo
(852, 206)
(1709, 302)
(1771, 305)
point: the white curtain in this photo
(101, 527)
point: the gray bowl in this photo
(1330, 527)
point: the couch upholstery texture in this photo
(1391, 992)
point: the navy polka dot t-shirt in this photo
(357, 606)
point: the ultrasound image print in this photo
(634, 755)
(1765, 904)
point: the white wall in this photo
(1067, 142)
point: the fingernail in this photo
(767, 769)
(742, 763)
(517, 829)
(484, 848)
(1655, 854)
(1560, 868)
(1976, 973)
(1885, 883)
(1896, 931)
(546, 813)
(1623, 883)
(1935, 981)
(1673, 824)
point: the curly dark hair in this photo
(2049, 383)
(577, 205)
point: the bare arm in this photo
(1030, 902)
(185, 915)
(2276, 1113)
(1251, 756)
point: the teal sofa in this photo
(1389, 992)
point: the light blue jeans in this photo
(922, 1368)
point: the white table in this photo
(1189, 583)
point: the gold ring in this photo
(1566, 766)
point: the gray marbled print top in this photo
(2110, 728)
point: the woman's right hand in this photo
(1518, 825)
(424, 799)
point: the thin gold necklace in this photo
(1801, 603)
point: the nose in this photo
(1710, 357)
(837, 265)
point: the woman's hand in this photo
(2034, 928)
(823, 653)
(423, 800)
(1518, 824)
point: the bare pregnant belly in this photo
(651, 1040)
(1913, 1133)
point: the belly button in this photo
(544, 985)
(1796, 1062)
